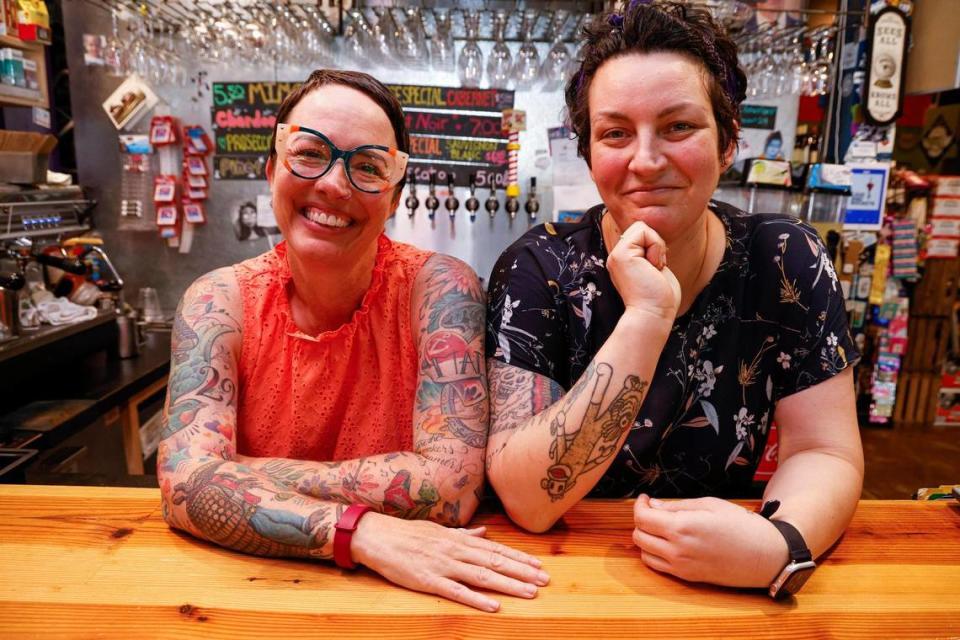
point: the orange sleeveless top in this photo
(341, 394)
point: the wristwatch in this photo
(801, 564)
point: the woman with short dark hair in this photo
(646, 350)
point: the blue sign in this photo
(868, 191)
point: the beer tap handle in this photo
(472, 204)
(532, 205)
(512, 206)
(451, 203)
(412, 202)
(492, 205)
(432, 202)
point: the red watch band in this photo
(345, 527)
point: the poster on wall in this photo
(768, 127)
(129, 102)
(253, 219)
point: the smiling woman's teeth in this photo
(325, 219)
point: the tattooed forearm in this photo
(516, 395)
(242, 512)
(398, 484)
(576, 449)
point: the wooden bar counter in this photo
(85, 562)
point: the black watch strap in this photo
(796, 545)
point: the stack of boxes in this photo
(945, 234)
(29, 22)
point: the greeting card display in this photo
(163, 130)
(196, 141)
(194, 213)
(167, 215)
(164, 189)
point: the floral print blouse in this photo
(771, 322)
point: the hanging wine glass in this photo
(500, 62)
(527, 66)
(554, 69)
(384, 39)
(325, 34)
(442, 54)
(115, 54)
(359, 42)
(470, 61)
(410, 41)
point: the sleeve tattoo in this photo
(576, 449)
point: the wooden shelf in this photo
(17, 96)
(13, 41)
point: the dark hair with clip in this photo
(362, 82)
(643, 27)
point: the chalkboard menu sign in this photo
(451, 129)
(243, 115)
(456, 129)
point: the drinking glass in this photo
(500, 62)
(149, 303)
(554, 69)
(527, 66)
(470, 61)
(115, 54)
(442, 54)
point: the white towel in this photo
(57, 311)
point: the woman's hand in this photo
(638, 268)
(425, 556)
(708, 540)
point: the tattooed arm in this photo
(208, 493)
(204, 491)
(548, 449)
(441, 477)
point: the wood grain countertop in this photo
(84, 562)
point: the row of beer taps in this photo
(472, 204)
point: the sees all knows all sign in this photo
(888, 37)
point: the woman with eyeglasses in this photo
(645, 351)
(328, 399)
